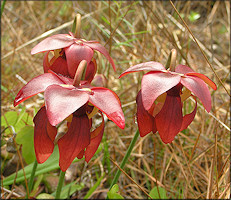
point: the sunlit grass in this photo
(133, 32)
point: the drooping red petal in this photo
(96, 137)
(46, 63)
(183, 69)
(60, 66)
(61, 102)
(169, 119)
(51, 131)
(187, 119)
(58, 41)
(42, 142)
(75, 54)
(35, 86)
(199, 89)
(144, 119)
(108, 102)
(90, 71)
(74, 141)
(150, 66)
(154, 84)
(81, 154)
(154, 128)
(101, 49)
(204, 78)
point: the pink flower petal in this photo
(64, 79)
(187, 119)
(183, 69)
(60, 66)
(108, 102)
(204, 78)
(99, 80)
(74, 141)
(156, 83)
(169, 119)
(96, 137)
(144, 119)
(150, 66)
(58, 41)
(199, 89)
(61, 102)
(35, 86)
(42, 142)
(101, 49)
(75, 54)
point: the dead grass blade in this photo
(142, 189)
(200, 49)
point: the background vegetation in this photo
(195, 165)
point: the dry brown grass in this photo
(196, 164)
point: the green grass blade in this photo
(94, 187)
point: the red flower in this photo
(68, 53)
(63, 101)
(159, 102)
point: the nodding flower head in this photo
(68, 52)
(75, 101)
(159, 102)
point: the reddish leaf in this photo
(42, 142)
(156, 83)
(61, 102)
(35, 86)
(204, 78)
(144, 119)
(169, 119)
(183, 69)
(75, 54)
(151, 66)
(96, 137)
(58, 41)
(108, 102)
(101, 49)
(199, 88)
(74, 141)
(187, 119)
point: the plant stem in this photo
(78, 26)
(60, 184)
(32, 175)
(132, 144)
(173, 60)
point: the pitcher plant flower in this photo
(160, 100)
(68, 52)
(75, 101)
